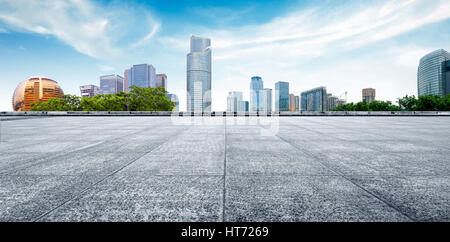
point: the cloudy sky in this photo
(343, 45)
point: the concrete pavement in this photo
(225, 169)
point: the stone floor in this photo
(225, 169)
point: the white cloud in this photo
(286, 48)
(90, 29)
(105, 68)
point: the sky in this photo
(343, 45)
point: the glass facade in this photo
(294, 103)
(243, 106)
(142, 75)
(332, 102)
(314, 100)
(89, 90)
(233, 101)
(447, 77)
(265, 100)
(111, 84)
(431, 73)
(281, 96)
(256, 86)
(199, 75)
(161, 81)
(35, 89)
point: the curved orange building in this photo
(33, 90)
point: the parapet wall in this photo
(5, 115)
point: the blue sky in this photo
(343, 45)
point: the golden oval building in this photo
(33, 90)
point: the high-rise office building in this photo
(368, 95)
(161, 81)
(199, 75)
(281, 96)
(447, 78)
(126, 80)
(111, 84)
(294, 103)
(332, 102)
(89, 90)
(243, 106)
(256, 86)
(174, 98)
(142, 75)
(233, 100)
(314, 100)
(265, 100)
(431, 73)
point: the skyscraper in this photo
(142, 75)
(111, 84)
(126, 80)
(161, 81)
(447, 77)
(174, 98)
(256, 86)
(314, 100)
(294, 103)
(233, 101)
(281, 96)
(368, 95)
(265, 100)
(89, 90)
(199, 75)
(243, 106)
(332, 102)
(431, 73)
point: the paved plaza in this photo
(225, 169)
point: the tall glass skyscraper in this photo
(142, 75)
(447, 77)
(281, 96)
(265, 100)
(111, 84)
(256, 86)
(199, 75)
(431, 73)
(314, 100)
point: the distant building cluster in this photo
(433, 78)
(142, 75)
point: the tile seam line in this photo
(56, 155)
(375, 149)
(352, 182)
(105, 178)
(343, 176)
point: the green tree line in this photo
(138, 99)
(407, 103)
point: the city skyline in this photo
(384, 53)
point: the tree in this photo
(408, 103)
(139, 99)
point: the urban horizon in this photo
(387, 63)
